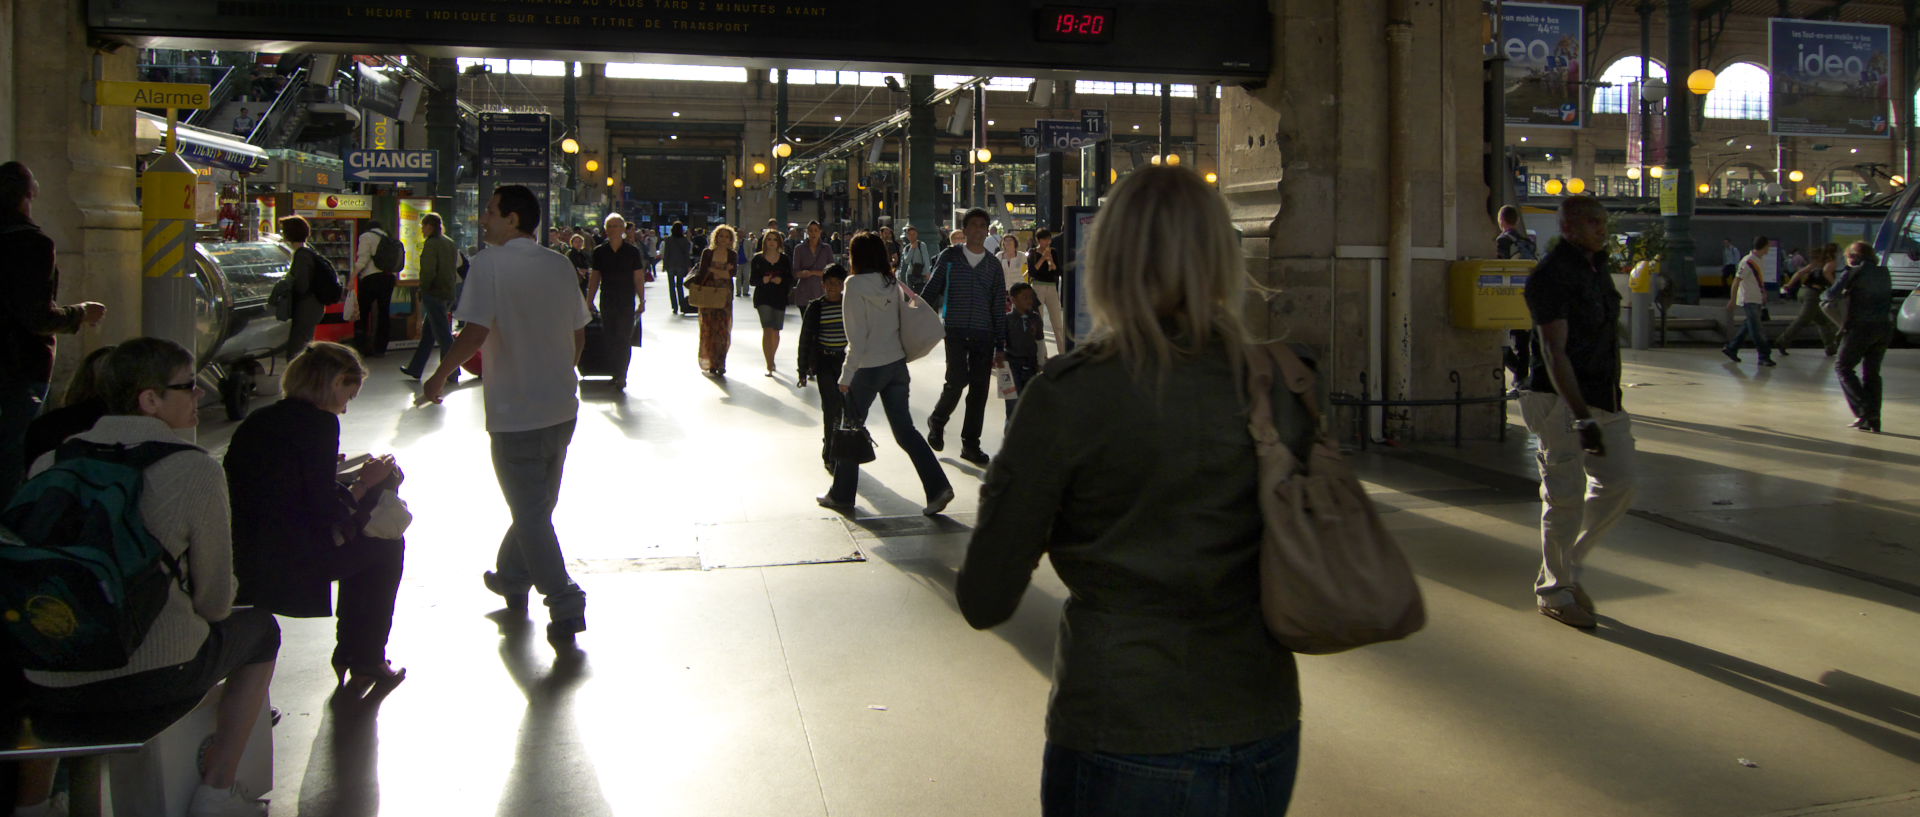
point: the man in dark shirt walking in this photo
(619, 275)
(970, 289)
(29, 280)
(1572, 404)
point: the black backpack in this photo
(325, 286)
(389, 256)
(81, 577)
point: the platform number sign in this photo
(1094, 120)
(1030, 138)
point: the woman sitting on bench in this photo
(198, 639)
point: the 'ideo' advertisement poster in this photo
(1543, 50)
(1830, 79)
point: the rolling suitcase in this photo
(596, 359)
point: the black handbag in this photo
(852, 444)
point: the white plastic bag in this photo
(1003, 379)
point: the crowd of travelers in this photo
(1151, 517)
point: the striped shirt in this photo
(970, 297)
(833, 330)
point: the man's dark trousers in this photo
(969, 368)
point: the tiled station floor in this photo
(752, 654)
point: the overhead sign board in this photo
(1829, 79)
(514, 147)
(153, 94)
(391, 165)
(1232, 39)
(1544, 47)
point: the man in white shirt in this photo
(523, 310)
(1750, 295)
(373, 292)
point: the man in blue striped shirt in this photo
(971, 291)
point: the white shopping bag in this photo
(1003, 378)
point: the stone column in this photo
(86, 203)
(1303, 162)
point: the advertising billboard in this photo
(1544, 50)
(1829, 79)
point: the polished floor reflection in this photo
(751, 654)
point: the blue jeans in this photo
(19, 404)
(436, 329)
(889, 383)
(529, 465)
(1250, 780)
(1751, 330)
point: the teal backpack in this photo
(81, 577)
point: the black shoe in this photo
(938, 503)
(973, 454)
(409, 373)
(1731, 354)
(1767, 361)
(516, 599)
(827, 501)
(1783, 351)
(619, 385)
(936, 437)
(560, 632)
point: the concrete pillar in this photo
(756, 200)
(1585, 151)
(86, 178)
(1304, 163)
(923, 189)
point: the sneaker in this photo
(234, 802)
(1767, 361)
(1585, 601)
(1731, 354)
(938, 503)
(1572, 615)
(936, 437)
(560, 632)
(973, 454)
(516, 599)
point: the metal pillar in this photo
(923, 187)
(779, 164)
(570, 125)
(977, 171)
(443, 136)
(1639, 94)
(1166, 120)
(1678, 266)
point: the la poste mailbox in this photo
(1490, 293)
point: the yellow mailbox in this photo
(1489, 294)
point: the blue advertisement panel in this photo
(1544, 50)
(1830, 79)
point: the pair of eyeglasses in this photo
(187, 386)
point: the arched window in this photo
(1623, 74)
(1740, 92)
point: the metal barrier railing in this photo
(1459, 403)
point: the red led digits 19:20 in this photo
(1084, 24)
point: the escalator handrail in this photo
(283, 103)
(222, 92)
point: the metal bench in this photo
(85, 741)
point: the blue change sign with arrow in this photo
(391, 165)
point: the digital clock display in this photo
(1074, 24)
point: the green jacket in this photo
(1146, 505)
(439, 267)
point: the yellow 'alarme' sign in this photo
(153, 94)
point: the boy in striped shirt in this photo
(823, 349)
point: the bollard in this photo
(166, 239)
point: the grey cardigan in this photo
(1145, 503)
